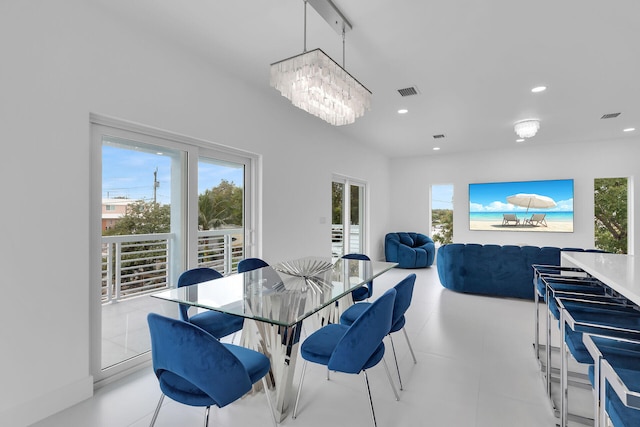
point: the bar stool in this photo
(578, 317)
(549, 281)
(616, 378)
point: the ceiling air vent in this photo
(610, 116)
(440, 135)
(408, 91)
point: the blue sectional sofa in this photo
(409, 250)
(493, 269)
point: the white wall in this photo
(63, 60)
(582, 162)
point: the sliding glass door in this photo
(162, 203)
(348, 230)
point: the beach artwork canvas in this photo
(538, 206)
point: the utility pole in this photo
(156, 184)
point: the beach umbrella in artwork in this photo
(535, 201)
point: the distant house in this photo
(113, 210)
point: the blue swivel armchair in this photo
(217, 324)
(404, 294)
(196, 369)
(409, 250)
(363, 292)
(352, 349)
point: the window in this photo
(348, 225)
(442, 214)
(610, 214)
(154, 187)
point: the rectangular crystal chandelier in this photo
(315, 83)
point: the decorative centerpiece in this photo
(306, 267)
(309, 269)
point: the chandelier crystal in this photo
(315, 83)
(527, 128)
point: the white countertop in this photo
(620, 272)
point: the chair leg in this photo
(386, 368)
(206, 416)
(295, 407)
(393, 349)
(366, 382)
(409, 344)
(267, 393)
(155, 414)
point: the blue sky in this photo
(129, 173)
(492, 197)
(442, 196)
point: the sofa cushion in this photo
(406, 239)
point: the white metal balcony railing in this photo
(337, 239)
(137, 264)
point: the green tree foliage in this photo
(610, 211)
(337, 191)
(142, 218)
(444, 219)
(337, 194)
(220, 205)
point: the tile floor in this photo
(476, 368)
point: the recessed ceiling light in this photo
(538, 89)
(629, 129)
(403, 111)
(436, 148)
(520, 140)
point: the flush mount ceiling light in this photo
(526, 128)
(539, 89)
(315, 83)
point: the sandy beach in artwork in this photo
(558, 226)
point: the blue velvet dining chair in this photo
(404, 294)
(195, 369)
(352, 349)
(249, 264)
(217, 324)
(364, 292)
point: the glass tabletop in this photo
(283, 294)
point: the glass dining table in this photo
(275, 301)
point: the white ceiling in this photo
(473, 61)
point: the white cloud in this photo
(564, 205)
(495, 206)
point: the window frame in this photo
(194, 148)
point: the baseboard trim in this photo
(43, 406)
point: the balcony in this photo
(134, 266)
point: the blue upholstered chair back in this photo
(404, 293)
(192, 366)
(364, 336)
(191, 277)
(249, 264)
(362, 257)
